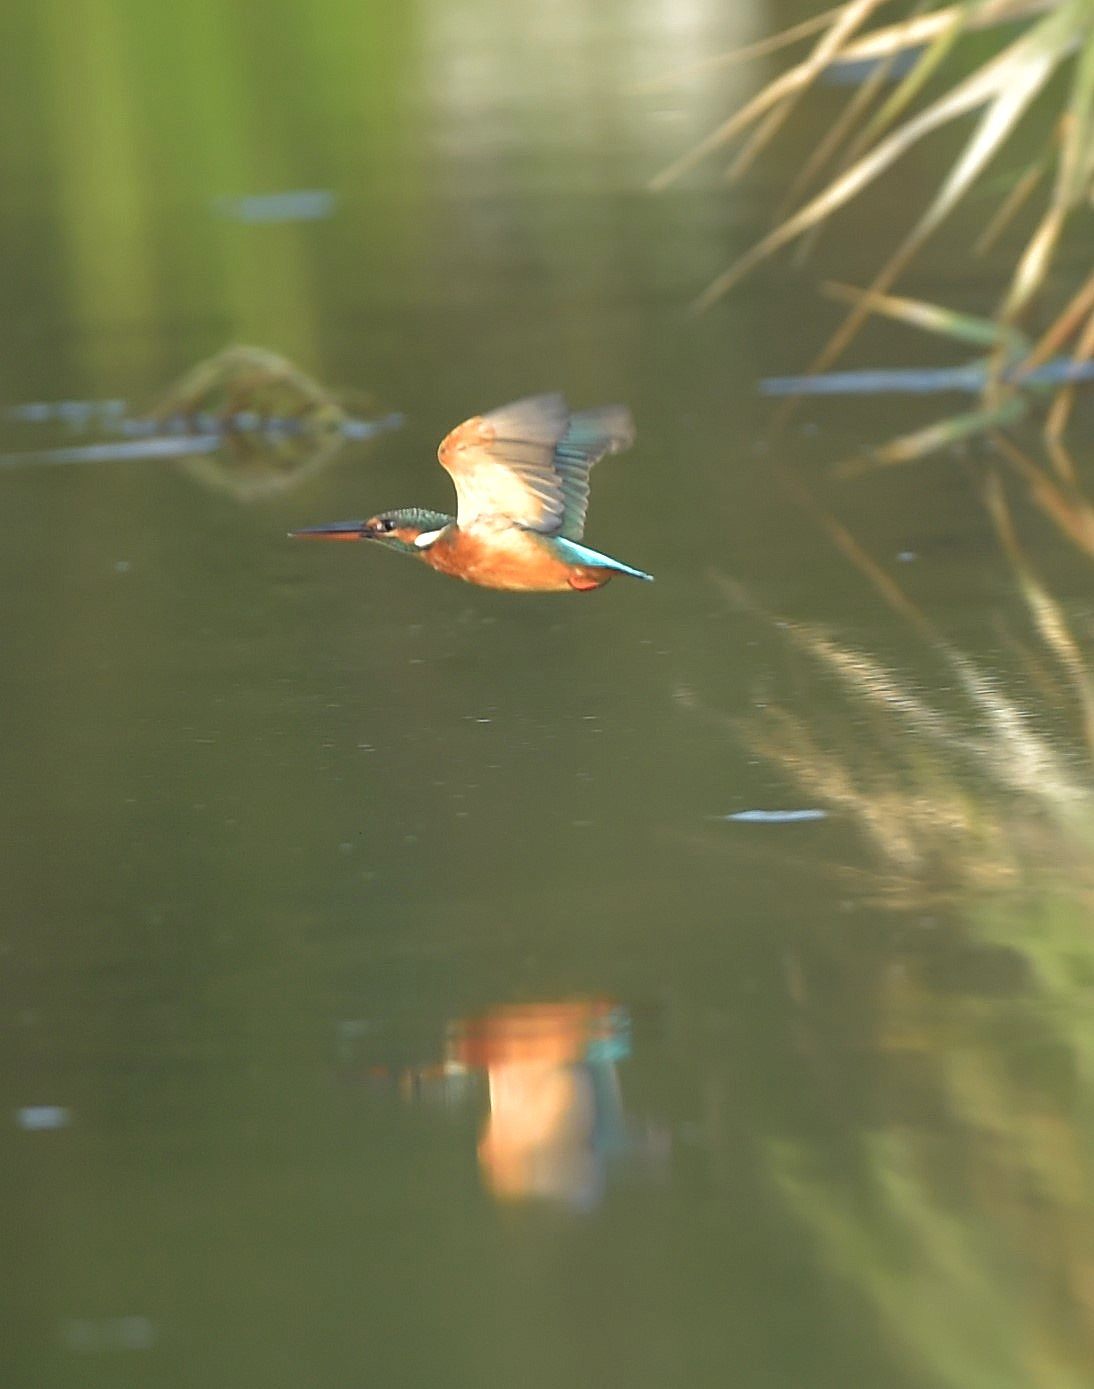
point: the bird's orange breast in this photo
(509, 558)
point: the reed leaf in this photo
(746, 53)
(1013, 203)
(1062, 406)
(934, 318)
(1047, 614)
(1006, 85)
(1060, 500)
(851, 18)
(844, 128)
(909, 448)
(910, 86)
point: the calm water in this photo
(387, 997)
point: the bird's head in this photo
(398, 530)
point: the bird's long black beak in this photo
(333, 530)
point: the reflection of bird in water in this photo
(522, 488)
(556, 1110)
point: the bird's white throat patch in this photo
(426, 539)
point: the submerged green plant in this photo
(1053, 36)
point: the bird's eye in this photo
(383, 523)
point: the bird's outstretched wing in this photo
(530, 461)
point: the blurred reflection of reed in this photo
(959, 1210)
(985, 790)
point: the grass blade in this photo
(747, 53)
(933, 318)
(909, 448)
(1062, 503)
(911, 85)
(1012, 204)
(849, 120)
(1011, 81)
(1061, 409)
(852, 17)
(995, 83)
(1058, 332)
(877, 45)
(1047, 614)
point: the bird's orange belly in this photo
(510, 559)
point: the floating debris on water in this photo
(79, 414)
(855, 72)
(38, 1117)
(969, 380)
(91, 1335)
(246, 421)
(774, 817)
(296, 205)
(116, 451)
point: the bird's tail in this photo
(581, 554)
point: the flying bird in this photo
(522, 490)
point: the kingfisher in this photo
(522, 489)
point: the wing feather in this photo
(529, 461)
